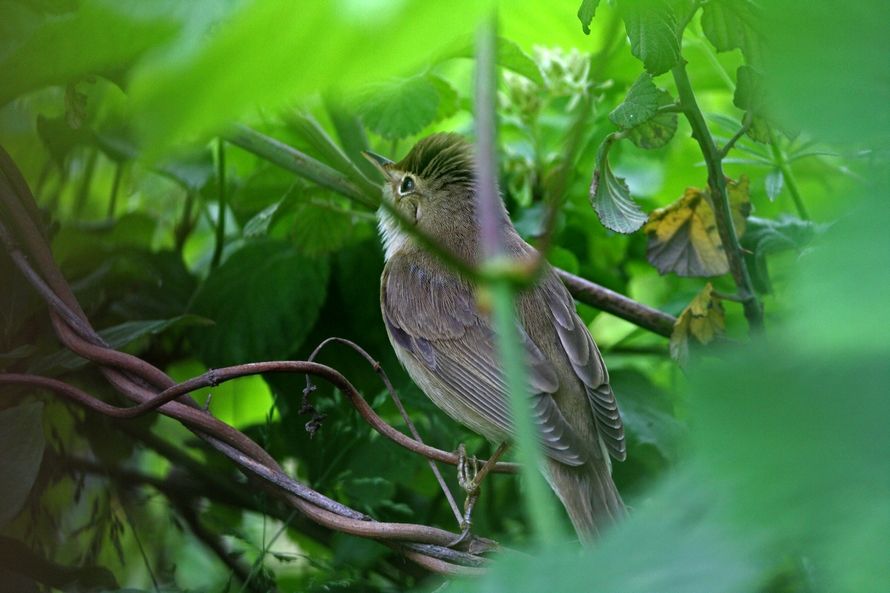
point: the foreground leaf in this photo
(610, 196)
(22, 443)
(702, 320)
(97, 38)
(652, 28)
(264, 299)
(683, 237)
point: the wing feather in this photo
(432, 316)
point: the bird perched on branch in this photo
(447, 344)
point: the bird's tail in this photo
(588, 494)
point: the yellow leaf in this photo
(683, 237)
(703, 319)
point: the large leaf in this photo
(653, 31)
(639, 105)
(270, 53)
(610, 196)
(683, 237)
(399, 108)
(264, 299)
(100, 37)
(22, 443)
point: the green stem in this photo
(539, 503)
(221, 203)
(538, 500)
(782, 163)
(720, 198)
(83, 192)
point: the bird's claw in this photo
(467, 470)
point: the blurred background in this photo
(757, 460)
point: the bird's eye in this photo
(407, 185)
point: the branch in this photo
(720, 198)
(619, 305)
(141, 382)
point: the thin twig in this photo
(393, 394)
(746, 125)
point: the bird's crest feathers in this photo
(444, 158)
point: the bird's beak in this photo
(380, 162)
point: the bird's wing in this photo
(587, 362)
(432, 314)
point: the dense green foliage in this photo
(757, 459)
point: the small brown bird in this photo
(448, 346)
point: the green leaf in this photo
(610, 196)
(510, 56)
(118, 337)
(264, 299)
(749, 90)
(658, 130)
(586, 12)
(313, 229)
(639, 105)
(449, 100)
(264, 54)
(765, 237)
(731, 24)
(22, 443)
(773, 183)
(652, 28)
(98, 38)
(399, 108)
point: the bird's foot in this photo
(470, 478)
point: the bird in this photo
(446, 342)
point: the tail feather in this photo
(588, 494)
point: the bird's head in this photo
(433, 187)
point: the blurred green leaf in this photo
(187, 94)
(100, 37)
(22, 443)
(652, 28)
(858, 61)
(264, 299)
(610, 196)
(639, 105)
